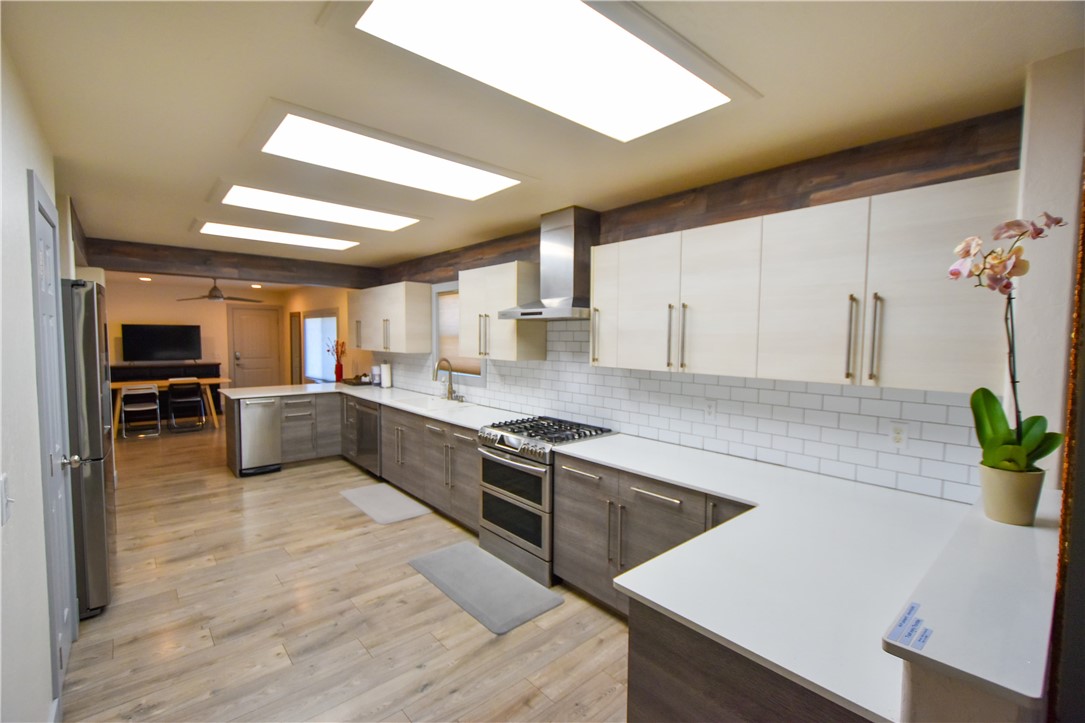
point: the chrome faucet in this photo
(451, 393)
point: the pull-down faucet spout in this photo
(450, 394)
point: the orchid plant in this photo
(1016, 449)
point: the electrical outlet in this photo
(710, 409)
(898, 434)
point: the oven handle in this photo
(513, 463)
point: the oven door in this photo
(520, 480)
(520, 524)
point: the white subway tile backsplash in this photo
(837, 430)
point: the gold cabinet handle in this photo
(610, 557)
(874, 340)
(670, 319)
(653, 495)
(682, 336)
(586, 474)
(852, 303)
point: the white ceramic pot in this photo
(1011, 497)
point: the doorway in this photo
(255, 346)
(53, 427)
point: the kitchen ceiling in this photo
(154, 109)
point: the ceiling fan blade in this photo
(193, 298)
(238, 298)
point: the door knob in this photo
(74, 461)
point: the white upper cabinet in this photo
(604, 304)
(718, 310)
(925, 331)
(648, 286)
(813, 270)
(394, 317)
(486, 291)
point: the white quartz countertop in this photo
(457, 413)
(987, 605)
(806, 582)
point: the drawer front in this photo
(294, 406)
(685, 503)
(299, 439)
(597, 476)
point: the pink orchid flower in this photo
(1011, 229)
(962, 267)
(969, 247)
(1035, 231)
(1052, 221)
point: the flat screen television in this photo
(160, 342)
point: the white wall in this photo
(316, 298)
(25, 681)
(1051, 166)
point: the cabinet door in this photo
(436, 487)
(813, 266)
(585, 542)
(409, 312)
(720, 509)
(925, 331)
(465, 468)
(472, 299)
(509, 285)
(329, 425)
(604, 305)
(654, 517)
(403, 445)
(298, 428)
(648, 286)
(349, 440)
(370, 325)
(721, 280)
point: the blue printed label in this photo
(913, 629)
(922, 638)
(904, 621)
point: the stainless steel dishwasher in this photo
(369, 436)
(261, 435)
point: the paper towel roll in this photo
(386, 375)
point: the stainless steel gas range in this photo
(517, 497)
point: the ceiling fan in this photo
(215, 294)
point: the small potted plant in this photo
(1010, 480)
(337, 349)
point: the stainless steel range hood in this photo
(565, 241)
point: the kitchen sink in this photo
(432, 403)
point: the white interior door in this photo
(255, 346)
(53, 423)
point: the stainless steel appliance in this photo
(517, 497)
(369, 436)
(90, 429)
(261, 435)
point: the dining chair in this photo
(185, 394)
(138, 402)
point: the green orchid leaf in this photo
(1048, 444)
(1032, 432)
(991, 425)
(1008, 456)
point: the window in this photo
(319, 328)
(448, 334)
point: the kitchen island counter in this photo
(805, 582)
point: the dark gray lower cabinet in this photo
(329, 425)
(465, 475)
(402, 447)
(607, 521)
(299, 428)
(585, 530)
(677, 674)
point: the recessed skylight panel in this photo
(557, 54)
(273, 202)
(276, 237)
(324, 145)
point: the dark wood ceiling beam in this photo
(445, 266)
(157, 259)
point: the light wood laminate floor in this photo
(274, 598)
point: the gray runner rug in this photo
(495, 594)
(384, 503)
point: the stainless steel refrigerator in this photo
(90, 424)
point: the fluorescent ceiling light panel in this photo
(276, 237)
(318, 143)
(310, 208)
(557, 54)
